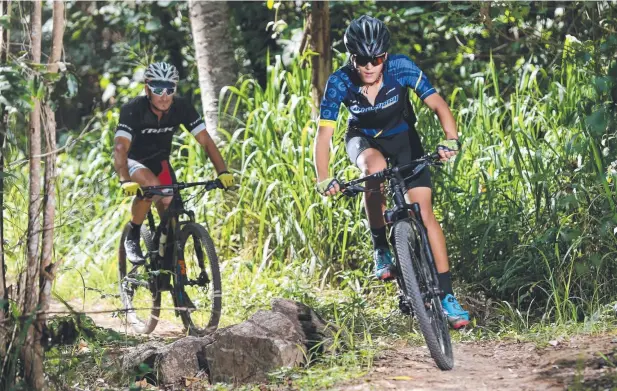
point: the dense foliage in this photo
(528, 208)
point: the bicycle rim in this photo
(426, 307)
(427, 277)
(140, 298)
(197, 285)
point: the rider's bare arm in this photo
(322, 151)
(441, 108)
(204, 139)
(322, 158)
(121, 152)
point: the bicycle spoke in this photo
(199, 280)
(417, 284)
(141, 301)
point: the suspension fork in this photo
(415, 207)
(151, 223)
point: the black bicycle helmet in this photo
(367, 36)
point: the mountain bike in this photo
(416, 272)
(181, 259)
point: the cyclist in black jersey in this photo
(143, 145)
(374, 86)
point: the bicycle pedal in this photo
(404, 306)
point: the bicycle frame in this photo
(401, 209)
(170, 223)
(416, 275)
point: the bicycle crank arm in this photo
(202, 280)
(137, 282)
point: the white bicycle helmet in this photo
(162, 71)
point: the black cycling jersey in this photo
(151, 138)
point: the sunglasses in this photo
(159, 91)
(374, 60)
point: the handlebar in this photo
(168, 190)
(352, 188)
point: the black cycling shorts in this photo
(400, 148)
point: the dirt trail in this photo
(103, 316)
(589, 361)
(491, 365)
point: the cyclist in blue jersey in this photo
(374, 87)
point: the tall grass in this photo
(527, 207)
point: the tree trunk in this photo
(3, 296)
(31, 350)
(320, 42)
(47, 268)
(215, 58)
(3, 293)
(4, 39)
(4, 54)
(2, 13)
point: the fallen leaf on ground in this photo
(83, 347)
(190, 380)
(401, 378)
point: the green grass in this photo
(524, 206)
(528, 210)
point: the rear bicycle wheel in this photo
(197, 281)
(140, 298)
(418, 283)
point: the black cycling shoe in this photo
(133, 251)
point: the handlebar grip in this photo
(358, 188)
(215, 184)
(352, 190)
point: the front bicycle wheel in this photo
(197, 281)
(418, 284)
(140, 297)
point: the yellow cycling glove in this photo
(227, 180)
(131, 188)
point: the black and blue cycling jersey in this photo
(392, 112)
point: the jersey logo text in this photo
(159, 130)
(355, 109)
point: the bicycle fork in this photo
(435, 289)
(401, 211)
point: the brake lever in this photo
(339, 198)
(344, 193)
(350, 191)
(435, 160)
